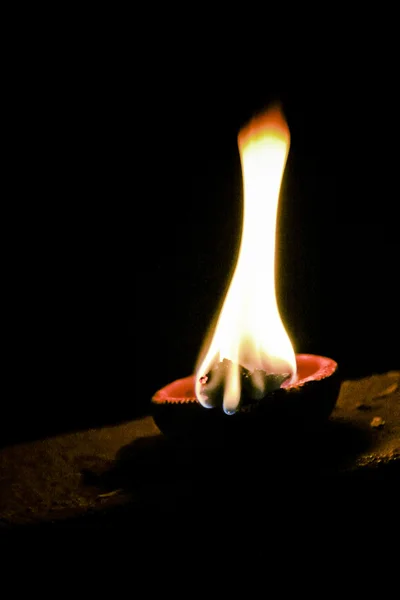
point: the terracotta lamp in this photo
(248, 372)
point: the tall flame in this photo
(249, 330)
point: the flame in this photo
(249, 331)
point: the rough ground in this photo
(112, 475)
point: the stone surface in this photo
(372, 404)
(113, 474)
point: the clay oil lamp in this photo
(248, 374)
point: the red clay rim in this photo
(310, 367)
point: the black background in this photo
(133, 218)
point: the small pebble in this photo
(377, 422)
(110, 494)
(389, 390)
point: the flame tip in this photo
(270, 121)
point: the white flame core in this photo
(249, 330)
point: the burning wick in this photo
(250, 353)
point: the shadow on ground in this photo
(290, 477)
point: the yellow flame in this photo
(249, 330)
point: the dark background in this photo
(133, 218)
